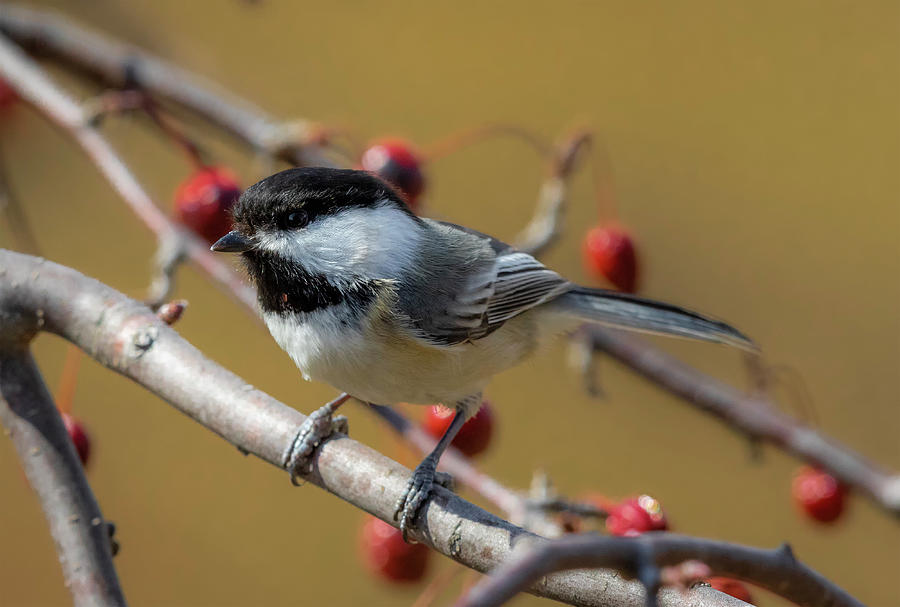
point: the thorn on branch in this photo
(786, 553)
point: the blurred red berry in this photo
(203, 201)
(79, 437)
(730, 586)
(475, 435)
(609, 253)
(388, 556)
(397, 162)
(635, 516)
(8, 95)
(818, 494)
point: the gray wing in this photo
(479, 293)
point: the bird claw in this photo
(417, 492)
(319, 426)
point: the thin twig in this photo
(451, 143)
(33, 85)
(546, 224)
(120, 101)
(757, 418)
(644, 557)
(121, 65)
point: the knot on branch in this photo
(143, 340)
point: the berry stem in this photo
(603, 180)
(437, 585)
(456, 141)
(68, 379)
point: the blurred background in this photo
(754, 151)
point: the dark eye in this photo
(294, 220)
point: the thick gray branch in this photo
(116, 64)
(127, 337)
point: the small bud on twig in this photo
(171, 312)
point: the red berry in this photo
(8, 95)
(79, 437)
(388, 556)
(609, 253)
(475, 435)
(203, 201)
(819, 495)
(735, 588)
(635, 516)
(397, 162)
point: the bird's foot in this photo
(417, 492)
(319, 426)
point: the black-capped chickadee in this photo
(391, 307)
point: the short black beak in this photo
(232, 242)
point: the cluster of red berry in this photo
(636, 515)
(203, 201)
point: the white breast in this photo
(380, 364)
(316, 340)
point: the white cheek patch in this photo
(353, 244)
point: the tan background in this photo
(756, 148)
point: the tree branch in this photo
(111, 62)
(52, 467)
(545, 225)
(756, 417)
(521, 508)
(643, 557)
(127, 337)
(34, 86)
(119, 65)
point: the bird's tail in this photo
(622, 311)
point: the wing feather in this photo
(516, 282)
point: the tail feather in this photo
(624, 311)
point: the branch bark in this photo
(757, 418)
(117, 64)
(52, 467)
(35, 87)
(127, 337)
(643, 557)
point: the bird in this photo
(391, 307)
